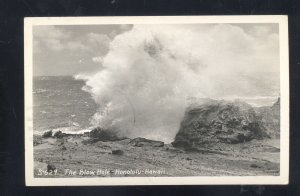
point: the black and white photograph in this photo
(156, 100)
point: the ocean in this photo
(60, 103)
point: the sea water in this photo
(59, 103)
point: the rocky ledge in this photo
(215, 122)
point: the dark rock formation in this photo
(214, 121)
(139, 142)
(271, 118)
(47, 134)
(59, 134)
(99, 134)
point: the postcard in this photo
(156, 100)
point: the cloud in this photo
(50, 37)
(260, 31)
(57, 39)
(76, 45)
(51, 32)
(65, 48)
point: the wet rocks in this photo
(99, 134)
(59, 134)
(139, 142)
(103, 135)
(47, 134)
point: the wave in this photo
(67, 130)
(255, 101)
(82, 76)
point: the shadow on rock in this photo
(104, 135)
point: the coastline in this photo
(77, 152)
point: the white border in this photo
(283, 178)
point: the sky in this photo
(69, 50)
(78, 49)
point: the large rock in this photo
(47, 134)
(270, 116)
(214, 121)
(59, 134)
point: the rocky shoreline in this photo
(81, 153)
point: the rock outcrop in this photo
(139, 142)
(215, 122)
(104, 135)
(47, 134)
(270, 116)
(59, 134)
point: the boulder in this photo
(99, 134)
(47, 134)
(270, 116)
(216, 122)
(59, 134)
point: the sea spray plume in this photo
(150, 71)
(141, 90)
